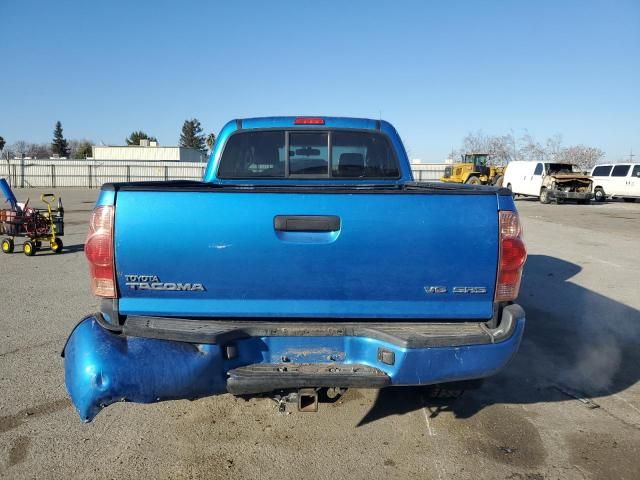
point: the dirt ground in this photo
(567, 407)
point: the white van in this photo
(548, 181)
(617, 180)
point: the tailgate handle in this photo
(306, 223)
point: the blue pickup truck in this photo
(306, 258)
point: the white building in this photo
(426, 172)
(148, 151)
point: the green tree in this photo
(211, 141)
(83, 151)
(192, 135)
(135, 137)
(2, 144)
(59, 146)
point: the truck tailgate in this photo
(226, 253)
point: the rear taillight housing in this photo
(513, 254)
(99, 251)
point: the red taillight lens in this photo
(99, 251)
(512, 257)
(309, 121)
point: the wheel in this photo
(629, 200)
(497, 181)
(7, 245)
(56, 245)
(544, 196)
(599, 195)
(29, 249)
(473, 180)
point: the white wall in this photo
(161, 154)
(93, 173)
(423, 172)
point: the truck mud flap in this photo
(260, 378)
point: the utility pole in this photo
(631, 155)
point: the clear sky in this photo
(436, 70)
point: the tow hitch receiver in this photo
(307, 400)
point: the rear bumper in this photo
(164, 359)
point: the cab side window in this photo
(538, 170)
(602, 171)
(620, 170)
(636, 171)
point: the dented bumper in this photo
(570, 195)
(171, 359)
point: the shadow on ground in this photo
(576, 342)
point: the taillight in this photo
(512, 257)
(99, 251)
(309, 121)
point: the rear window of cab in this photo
(303, 154)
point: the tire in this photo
(629, 200)
(498, 180)
(29, 248)
(544, 196)
(599, 195)
(7, 245)
(473, 180)
(56, 245)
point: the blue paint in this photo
(307, 237)
(389, 247)
(102, 368)
(106, 198)
(505, 202)
(8, 195)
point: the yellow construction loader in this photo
(474, 170)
